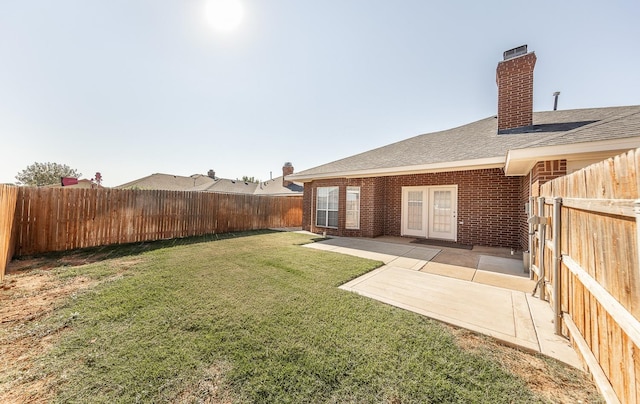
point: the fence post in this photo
(557, 263)
(541, 246)
(532, 233)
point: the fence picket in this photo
(58, 219)
(600, 237)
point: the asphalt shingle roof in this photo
(169, 182)
(232, 186)
(275, 187)
(480, 140)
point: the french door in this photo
(430, 212)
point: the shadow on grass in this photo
(94, 254)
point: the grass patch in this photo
(264, 317)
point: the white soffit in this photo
(464, 165)
(521, 161)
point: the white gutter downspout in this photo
(557, 263)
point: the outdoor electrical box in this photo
(535, 220)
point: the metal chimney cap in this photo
(515, 52)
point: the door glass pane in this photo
(441, 211)
(414, 210)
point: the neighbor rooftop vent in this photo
(515, 52)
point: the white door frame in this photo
(420, 225)
(426, 230)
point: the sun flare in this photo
(224, 15)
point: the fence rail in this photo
(59, 219)
(595, 288)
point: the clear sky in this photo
(134, 87)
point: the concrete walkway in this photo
(489, 299)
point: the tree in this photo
(38, 174)
(249, 179)
(97, 179)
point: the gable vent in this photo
(515, 52)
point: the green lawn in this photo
(255, 318)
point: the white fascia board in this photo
(521, 161)
(464, 165)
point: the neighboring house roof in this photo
(232, 186)
(169, 182)
(198, 182)
(479, 145)
(81, 183)
(276, 187)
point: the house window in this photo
(353, 208)
(327, 207)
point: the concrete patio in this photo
(484, 290)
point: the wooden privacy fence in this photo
(8, 195)
(585, 256)
(58, 219)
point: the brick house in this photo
(468, 184)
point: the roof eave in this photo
(521, 161)
(463, 165)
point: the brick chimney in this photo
(287, 169)
(514, 77)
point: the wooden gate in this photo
(8, 195)
(584, 235)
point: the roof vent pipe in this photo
(555, 100)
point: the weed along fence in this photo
(59, 219)
(586, 230)
(8, 195)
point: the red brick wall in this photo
(307, 205)
(371, 206)
(515, 91)
(542, 172)
(525, 191)
(489, 205)
(381, 206)
(545, 171)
